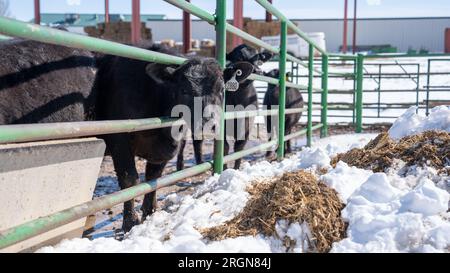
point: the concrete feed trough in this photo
(40, 178)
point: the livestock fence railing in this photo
(409, 79)
(35, 132)
(392, 84)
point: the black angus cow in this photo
(45, 83)
(245, 96)
(133, 89)
(48, 83)
(294, 99)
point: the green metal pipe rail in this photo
(405, 55)
(48, 35)
(32, 132)
(62, 130)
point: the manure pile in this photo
(296, 197)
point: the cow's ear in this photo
(240, 71)
(272, 73)
(288, 76)
(160, 73)
(265, 56)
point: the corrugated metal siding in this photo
(427, 33)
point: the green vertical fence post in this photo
(355, 71)
(221, 43)
(324, 99)
(427, 106)
(310, 89)
(359, 92)
(282, 89)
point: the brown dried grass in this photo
(430, 148)
(295, 197)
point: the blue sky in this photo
(23, 9)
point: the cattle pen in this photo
(52, 131)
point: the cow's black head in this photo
(275, 73)
(197, 84)
(245, 53)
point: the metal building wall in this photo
(401, 33)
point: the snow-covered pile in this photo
(411, 123)
(389, 213)
(404, 209)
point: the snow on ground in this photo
(402, 210)
(385, 214)
(219, 199)
(411, 123)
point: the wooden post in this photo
(354, 27)
(106, 11)
(268, 14)
(344, 39)
(186, 31)
(136, 22)
(238, 20)
(37, 12)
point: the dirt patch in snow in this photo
(430, 148)
(296, 197)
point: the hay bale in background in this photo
(258, 29)
(117, 31)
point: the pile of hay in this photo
(295, 197)
(430, 148)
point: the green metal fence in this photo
(422, 85)
(34, 132)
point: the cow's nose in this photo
(257, 70)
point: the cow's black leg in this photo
(226, 150)
(238, 146)
(127, 175)
(269, 153)
(152, 171)
(288, 143)
(180, 157)
(241, 140)
(198, 151)
(288, 147)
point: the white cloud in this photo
(373, 2)
(73, 2)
